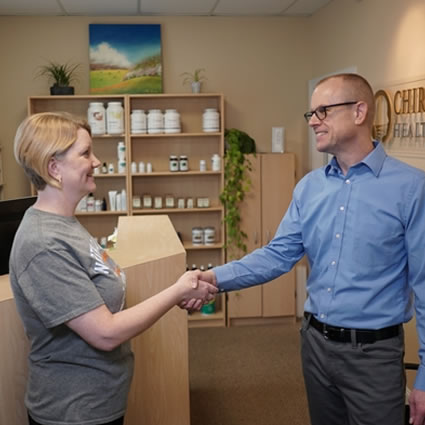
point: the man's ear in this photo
(360, 112)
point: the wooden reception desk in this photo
(153, 258)
(13, 359)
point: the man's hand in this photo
(417, 407)
(196, 304)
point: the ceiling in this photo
(161, 7)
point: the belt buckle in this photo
(325, 331)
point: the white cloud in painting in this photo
(106, 55)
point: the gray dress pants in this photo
(353, 384)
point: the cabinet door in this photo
(247, 303)
(277, 184)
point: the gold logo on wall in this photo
(383, 123)
(400, 116)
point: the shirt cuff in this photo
(220, 276)
(420, 378)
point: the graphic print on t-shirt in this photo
(105, 265)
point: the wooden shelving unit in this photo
(156, 149)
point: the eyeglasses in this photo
(321, 111)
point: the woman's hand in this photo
(195, 291)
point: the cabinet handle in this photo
(268, 236)
(256, 238)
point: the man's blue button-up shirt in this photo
(364, 237)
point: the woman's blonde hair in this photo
(42, 136)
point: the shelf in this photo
(198, 319)
(174, 173)
(197, 315)
(109, 175)
(155, 135)
(188, 246)
(78, 97)
(176, 210)
(99, 213)
(108, 136)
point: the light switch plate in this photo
(278, 137)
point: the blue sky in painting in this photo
(123, 45)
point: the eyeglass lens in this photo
(321, 111)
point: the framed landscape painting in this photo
(125, 59)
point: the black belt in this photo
(363, 336)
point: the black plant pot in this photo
(59, 90)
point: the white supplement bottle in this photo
(96, 118)
(171, 121)
(216, 162)
(209, 235)
(115, 118)
(138, 121)
(121, 150)
(210, 120)
(155, 121)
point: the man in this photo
(361, 222)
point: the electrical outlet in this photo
(278, 135)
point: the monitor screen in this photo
(11, 213)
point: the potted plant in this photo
(236, 185)
(195, 79)
(61, 75)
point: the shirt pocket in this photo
(378, 241)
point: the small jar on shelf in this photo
(158, 202)
(169, 201)
(173, 163)
(183, 163)
(137, 202)
(147, 201)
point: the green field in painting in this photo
(111, 82)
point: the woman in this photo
(69, 293)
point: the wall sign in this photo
(400, 114)
(400, 121)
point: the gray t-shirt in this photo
(58, 272)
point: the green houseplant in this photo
(61, 75)
(195, 79)
(236, 184)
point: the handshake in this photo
(198, 288)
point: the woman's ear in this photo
(53, 169)
(360, 112)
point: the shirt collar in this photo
(374, 160)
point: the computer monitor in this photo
(11, 214)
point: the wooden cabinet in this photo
(273, 180)
(156, 150)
